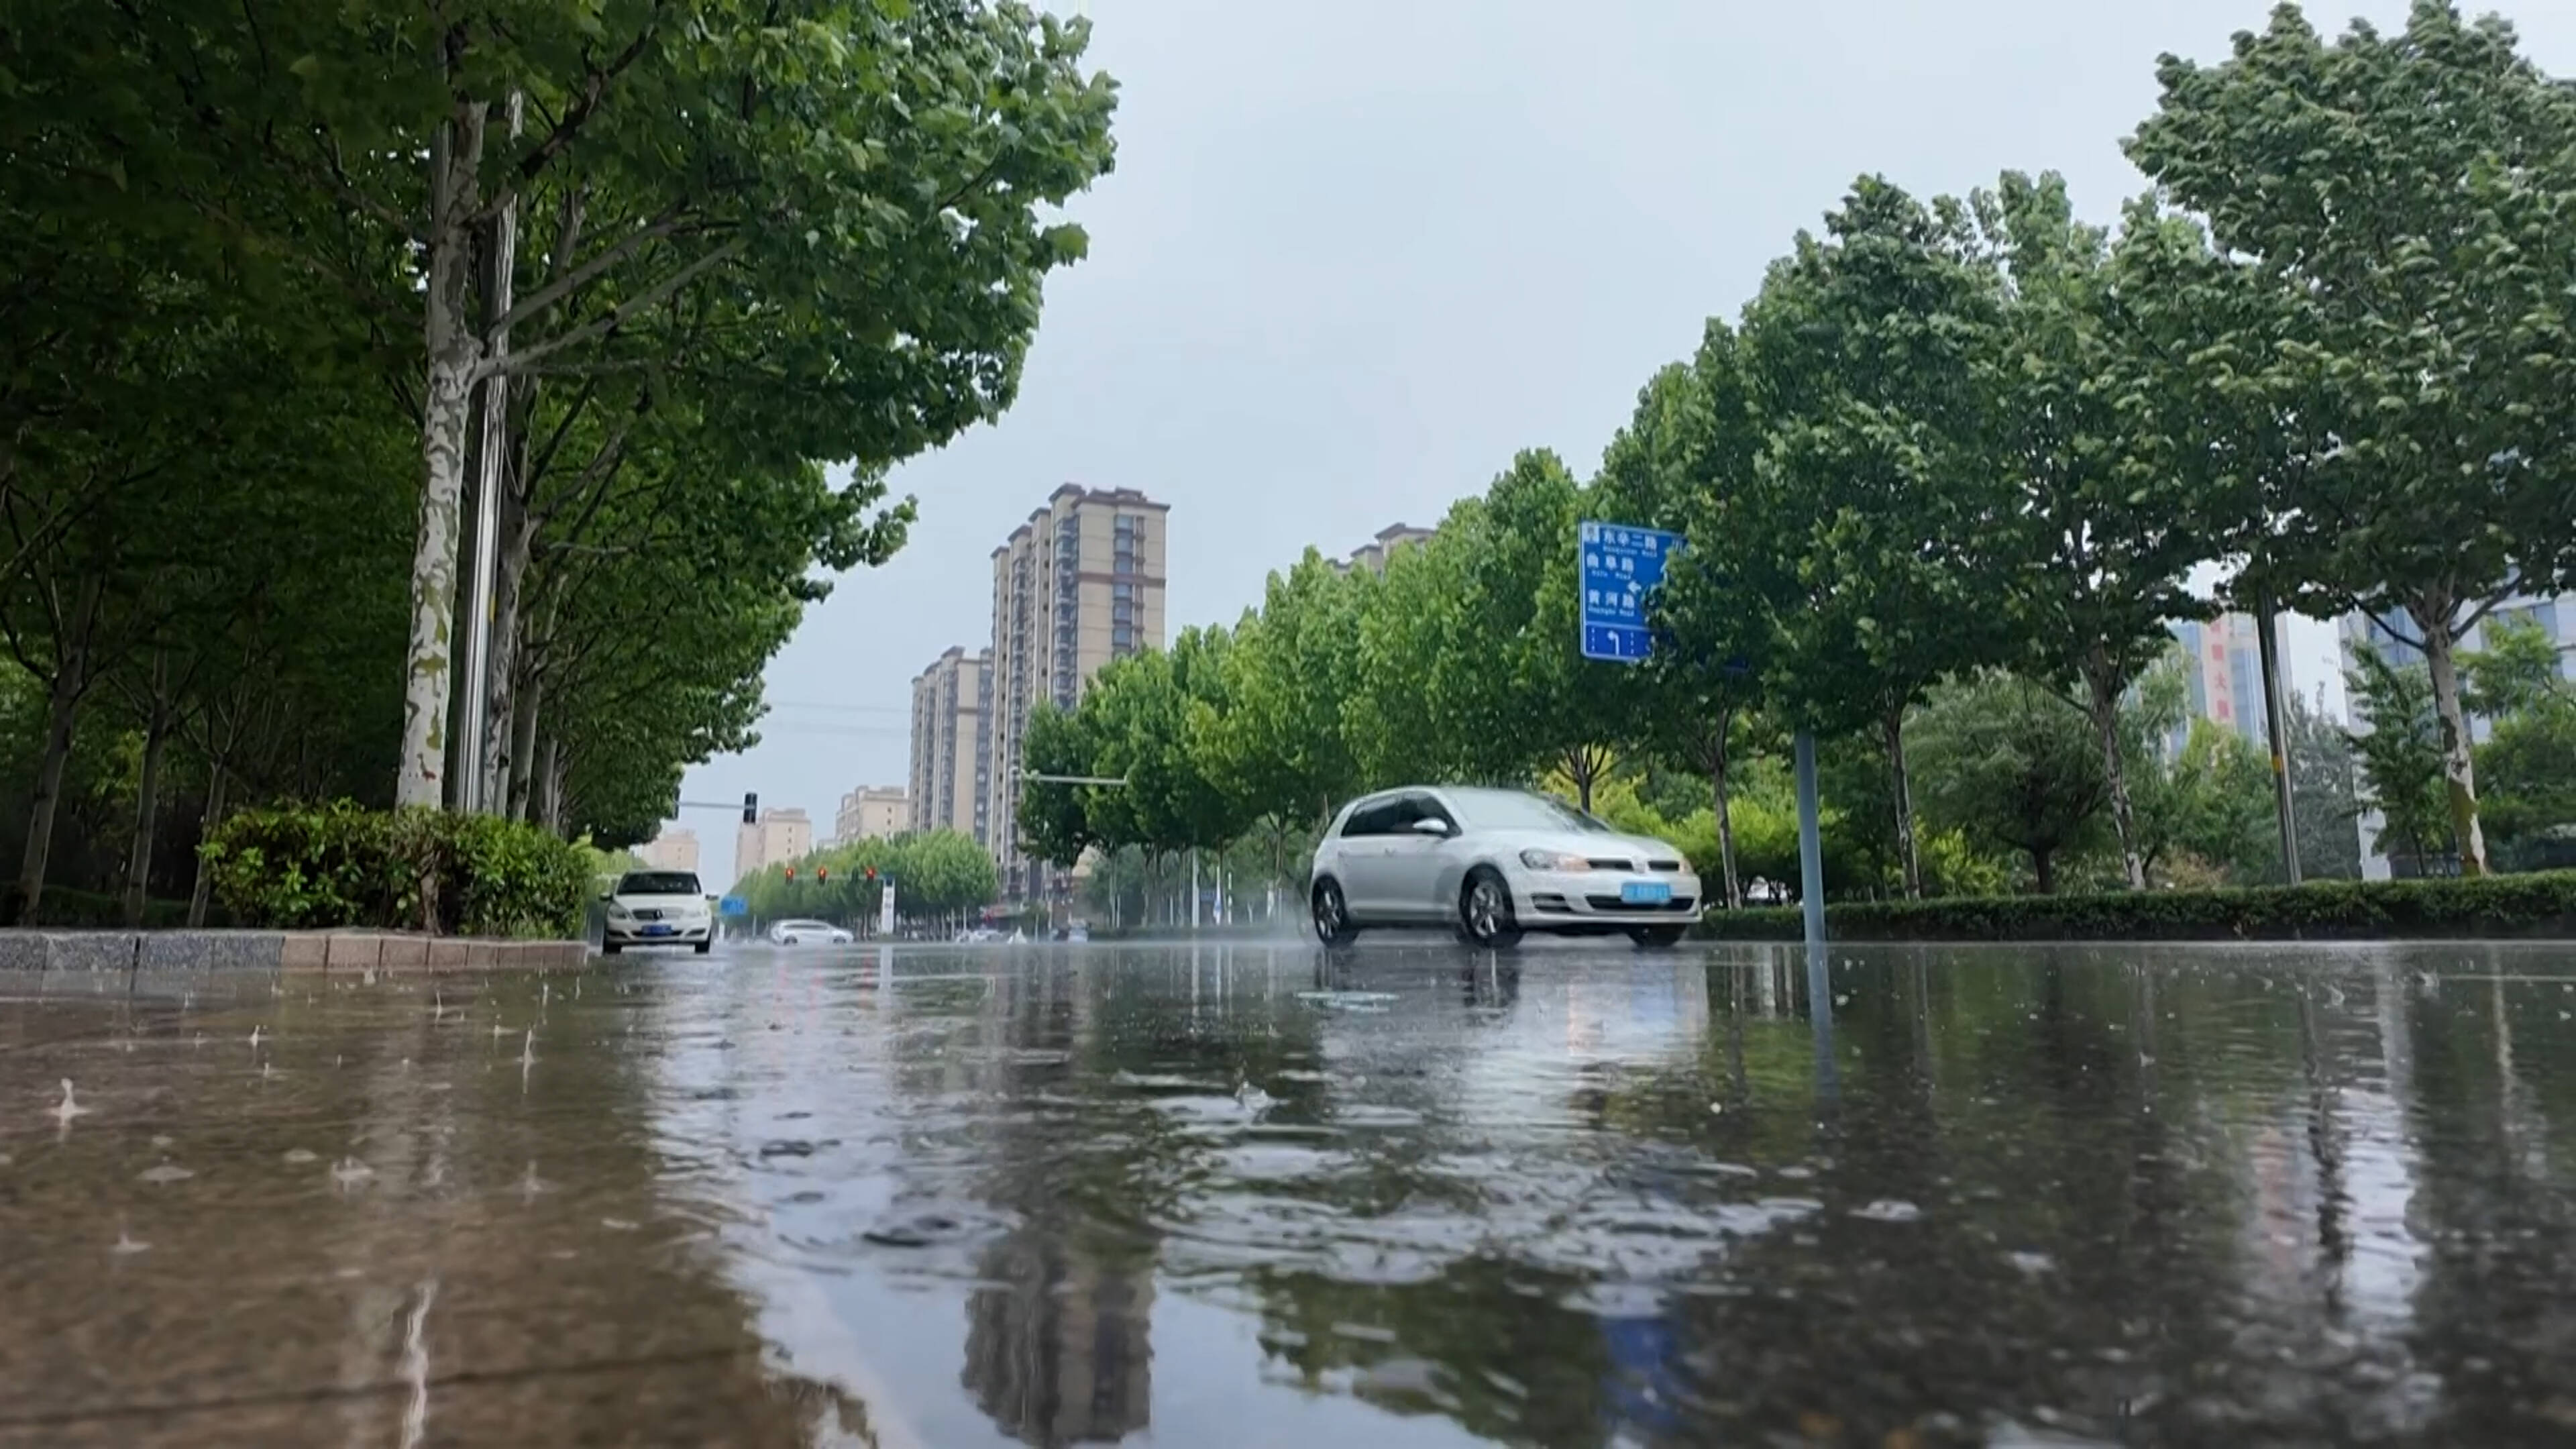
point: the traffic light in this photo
(872, 872)
(751, 807)
(822, 873)
(791, 875)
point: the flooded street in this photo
(1234, 1195)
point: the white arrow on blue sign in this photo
(1620, 566)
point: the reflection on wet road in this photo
(1242, 1196)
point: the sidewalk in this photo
(291, 951)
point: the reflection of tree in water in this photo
(1058, 1344)
(2494, 1114)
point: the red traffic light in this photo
(821, 874)
(791, 872)
(872, 872)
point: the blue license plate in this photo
(661, 930)
(1645, 892)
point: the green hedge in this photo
(2540, 905)
(90, 910)
(315, 867)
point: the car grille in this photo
(1668, 867)
(648, 915)
(1604, 863)
(1613, 903)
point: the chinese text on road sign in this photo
(1620, 568)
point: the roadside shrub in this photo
(340, 864)
(90, 910)
(2541, 905)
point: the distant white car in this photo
(798, 933)
(656, 908)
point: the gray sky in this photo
(1357, 253)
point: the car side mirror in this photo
(1438, 829)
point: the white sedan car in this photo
(1492, 864)
(797, 933)
(656, 908)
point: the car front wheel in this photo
(1332, 915)
(1485, 912)
(1656, 938)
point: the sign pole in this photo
(1811, 850)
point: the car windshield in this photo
(658, 883)
(1519, 810)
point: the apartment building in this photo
(779, 836)
(951, 773)
(1079, 584)
(2223, 670)
(670, 850)
(872, 812)
(1373, 554)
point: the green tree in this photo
(2011, 763)
(2324, 796)
(2102, 525)
(2400, 754)
(841, 203)
(1679, 466)
(1858, 358)
(2398, 203)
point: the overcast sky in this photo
(1356, 253)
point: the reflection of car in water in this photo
(1077, 932)
(798, 933)
(1492, 864)
(655, 908)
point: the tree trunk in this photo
(62, 706)
(2043, 863)
(2459, 770)
(203, 895)
(501, 721)
(551, 775)
(2105, 703)
(523, 744)
(147, 797)
(1905, 849)
(454, 352)
(1717, 762)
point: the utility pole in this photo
(1811, 851)
(2276, 720)
(490, 484)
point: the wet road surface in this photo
(1242, 1196)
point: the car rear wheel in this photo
(1485, 912)
(1332, 915)
(1656, 938)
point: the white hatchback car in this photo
(797, 933)
(1492, 864)
(656, 908)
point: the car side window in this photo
(1369, 820)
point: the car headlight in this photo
(1553, 860)
(616, 911)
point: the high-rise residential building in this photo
(779, 837)
(2223, 671)
(872, 812)
(951, 745)
(1079, 584)
(1373, 554)
(2553, 614)
(670, 850)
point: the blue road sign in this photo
(1621, 566)
(733, 906)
